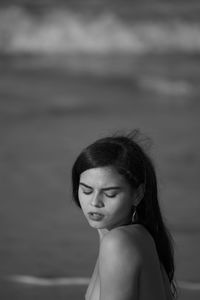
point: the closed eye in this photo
(111, 195)
(87, 192)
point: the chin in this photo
(97, 225)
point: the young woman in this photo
(114, 183)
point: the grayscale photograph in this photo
(99, 152)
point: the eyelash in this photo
(87, 193)
(109, 196)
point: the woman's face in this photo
(106, 198)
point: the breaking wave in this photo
(64, 32)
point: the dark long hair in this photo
(125, 154)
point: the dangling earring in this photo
(134, 216)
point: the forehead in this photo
(102, 177)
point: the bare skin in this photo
(127, 267)
(146, 281)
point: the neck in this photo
(102, 233)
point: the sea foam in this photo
(64, 32)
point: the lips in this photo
(95, 213)
(95, 216)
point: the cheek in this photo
(82, 201)
(83, 207)
(121, 205)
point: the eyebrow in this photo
(104, 189)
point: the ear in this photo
(138, 195)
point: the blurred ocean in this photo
(156, 44)
(99, 27)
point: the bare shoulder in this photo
(128, 261)
(119, 266)
(132, 241)
(122, 244)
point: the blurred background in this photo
(72, 72)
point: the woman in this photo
(114, 183)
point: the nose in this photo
(96, 201)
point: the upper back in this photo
(140, 250)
